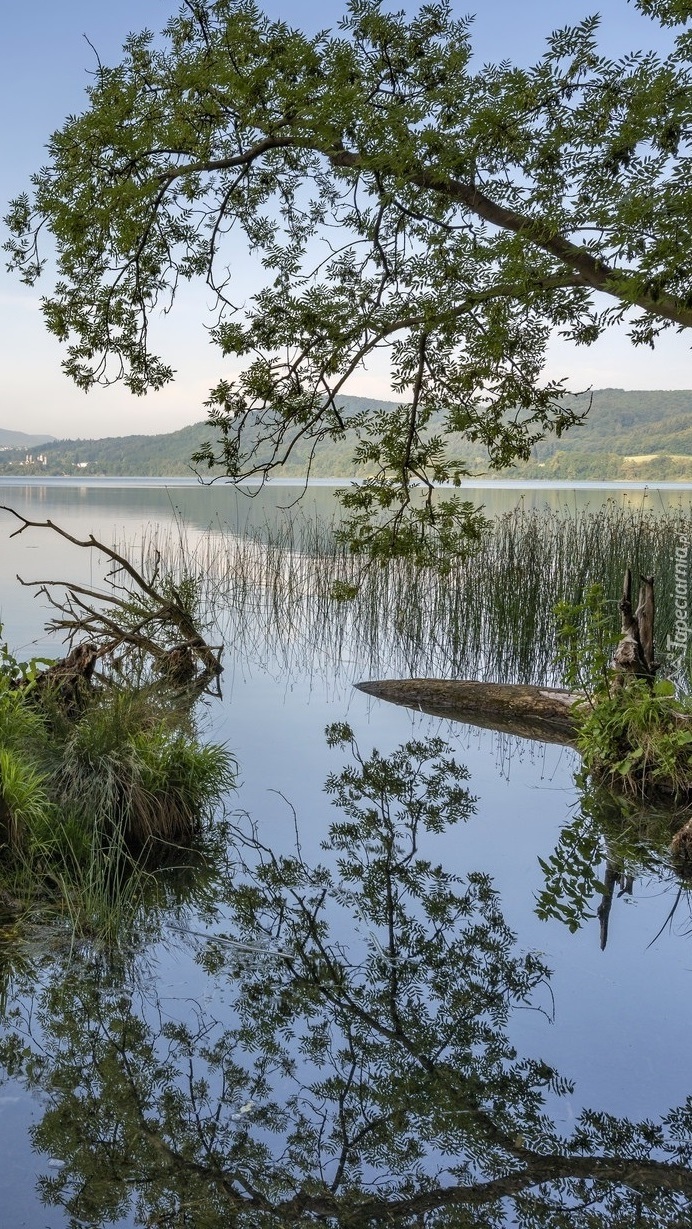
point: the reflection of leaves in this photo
(605, 827)
(571, 873)
(365, 1077)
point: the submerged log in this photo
(542, 713)
(547, 714)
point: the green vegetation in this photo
(490, 616)
(364, 1068)
(642, 436)
(638, 738)
(478, 212)
(89, 806)
(611, 835)
(635, 735)
(102, 776)
(169, 455)
(627, 435)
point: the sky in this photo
(44, 66)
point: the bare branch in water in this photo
(146, 622)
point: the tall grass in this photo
(491, 617)
(91, 807)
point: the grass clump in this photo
(638, 738)
(24, 798)
(130, 768)
(91, 805)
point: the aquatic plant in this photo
(129, 767)
(634, 733)
(91, 808)
(275, 593)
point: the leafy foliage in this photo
(367, 1077)
(610, 833)
(585, 643)
(639, 739)
(395, 199)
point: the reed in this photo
(489, 616)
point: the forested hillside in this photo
(629, 435)
(625, 435)
(169, 455)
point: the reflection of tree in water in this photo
(611, 841)
(366, 1077)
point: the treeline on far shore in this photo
(626, 435)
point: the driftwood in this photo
(139, 618)
(542, 713)
(68, 682)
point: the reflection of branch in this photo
(612, 876)
(326, 976)
(638, 1175)
(380, 1125)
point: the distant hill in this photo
(169, 455)
(19, 439)
(626, 435)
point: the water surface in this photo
(613, 1021)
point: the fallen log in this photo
(542, 713)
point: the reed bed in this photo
(490, 617)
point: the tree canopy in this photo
(395, 198)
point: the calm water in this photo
(615, 1021)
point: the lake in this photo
(267, 1059)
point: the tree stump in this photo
(635, 655)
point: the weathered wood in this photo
(645, 614)
(542, 713)
(681, 850)
(67, 683)
(635, 653)
(135, 618)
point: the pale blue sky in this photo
(44, 62)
